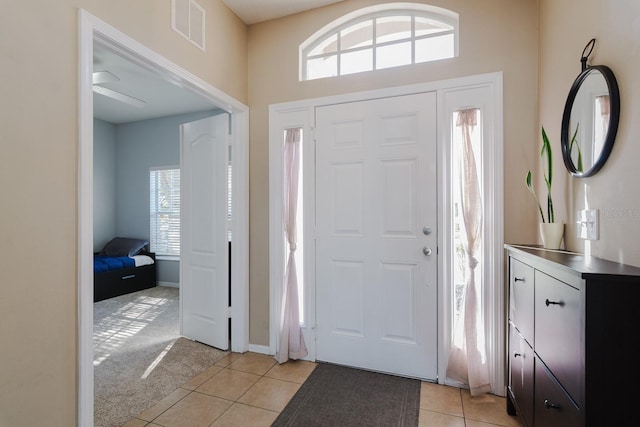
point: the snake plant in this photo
(546, 153)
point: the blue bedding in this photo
(105, 263)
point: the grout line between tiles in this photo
(464, 416)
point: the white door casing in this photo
(204, 271)
(376, 222)
(301, 114)
(91, 30)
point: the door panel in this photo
(376, 291)
(204, 265)
(346, 288)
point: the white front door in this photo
(204, 256)
(376, 235)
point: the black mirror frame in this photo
(614, 96)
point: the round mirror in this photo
(590, 121)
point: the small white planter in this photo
(551, 233)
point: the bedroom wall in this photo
(104, 183)
(39, 141)
(495, 35)
(565, 28)
(141, 146)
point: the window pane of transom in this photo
(425, 26)
(355, 62)
(393, 55)
(329, 45)
(392, 28)
(357, 35)
(322, 67)
(433, 48)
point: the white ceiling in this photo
(254, 11)
(162, 97)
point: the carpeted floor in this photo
(339, 396)
(139, 356)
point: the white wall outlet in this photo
(588, 224)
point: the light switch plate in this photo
(588, 224)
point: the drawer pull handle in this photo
(518, 279)
(548, 303)
(517, 355)
(549, 405)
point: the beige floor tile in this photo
(259, 399)
(228, 384)
(226, 361)
(269, 393)
(473, 423)
(201, 378)
(244, 415)
(441, 398)
(157, 409)
(437, 419)
(135, 422)
(195, 410)
(488, 408)
(296, 371)
(254, 363)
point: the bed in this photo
(123, 266)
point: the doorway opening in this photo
(94, 30)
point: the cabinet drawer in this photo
(521, 374)
(558, 332)
(553, 407)
(521, 298)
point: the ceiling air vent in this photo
(187, 18)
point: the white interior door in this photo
(204, 257)
(376, 217)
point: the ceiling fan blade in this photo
(100, 77)
(119, 96)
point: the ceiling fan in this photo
(102, 77)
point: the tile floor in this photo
(251, 389)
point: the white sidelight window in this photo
(472, 241)
(292, 344)
(468, 355)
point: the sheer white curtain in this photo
(292, 344)
(467, 358)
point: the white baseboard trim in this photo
(262, 349)
(169, 284)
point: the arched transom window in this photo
(377, 37)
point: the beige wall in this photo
(38, 133)
(38, 219)
(565, 28)
(495, 35)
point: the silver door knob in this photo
(426, 251)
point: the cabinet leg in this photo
(511, 409)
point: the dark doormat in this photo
(335, 395)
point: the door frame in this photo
(302, 114)
(93, 29)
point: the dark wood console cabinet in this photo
(573, 322)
